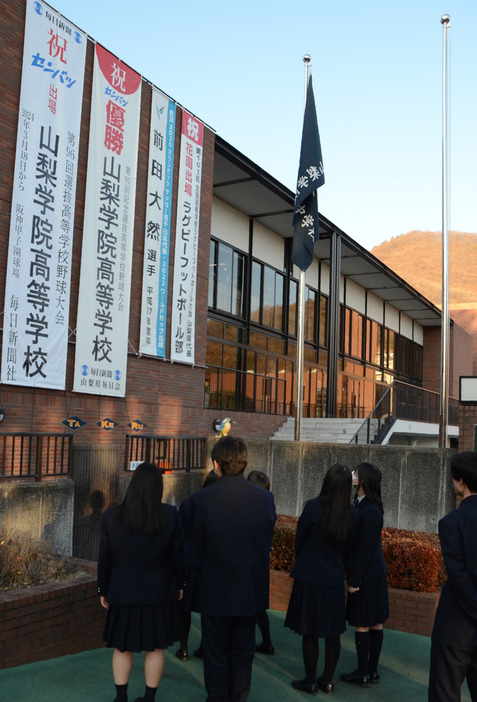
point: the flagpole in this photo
(300, 346)
(443, 420)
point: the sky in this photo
(377, 78)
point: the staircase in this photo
(322, 430)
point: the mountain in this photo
(417, 257)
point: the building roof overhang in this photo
(248, 188)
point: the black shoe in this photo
(305, 686)
(374, 678)
(182, 654)
(265, 648)
(198, 652)
(356, 678)
(325, 687)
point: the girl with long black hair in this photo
(367, 605)
(140, 579)
(317, 603)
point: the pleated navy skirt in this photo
(369, 606)
(316, 611)
(142, 627)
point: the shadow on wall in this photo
(87, 530)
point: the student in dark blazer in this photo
(454, 636)
(182, 652)
(266, 646)
(367, 605)
(232, 527)
(140, 579)
(317, 603)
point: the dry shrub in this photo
(25, 562)
(413, 559)
(282, 553)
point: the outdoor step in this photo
(320, 429)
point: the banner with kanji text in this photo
(187, 237)
(105, 276)
(155, 275)
(37, 289)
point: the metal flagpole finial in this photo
(307, 59)
(445, 19)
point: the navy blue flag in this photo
(310, 176)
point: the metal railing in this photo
(403, 401)
(25, 456)
(167, 452)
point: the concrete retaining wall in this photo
(417, 489)
(41, 511)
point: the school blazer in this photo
(456, 617)
(231, 528)
(317, 562)
(140, 569)
(365, 558)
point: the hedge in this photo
(413, 559)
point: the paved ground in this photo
(86, 677)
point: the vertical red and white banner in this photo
(155, 275)
(187, 238)
(37, 290)
(105, 277)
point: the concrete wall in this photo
(41, 511)
(417, 489)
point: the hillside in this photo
(417, 257)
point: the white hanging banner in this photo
(37, 290)
(105, 278)
(158, 224)
(187, 236)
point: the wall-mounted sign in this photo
(73, 422)
(137, 425)
(107, 424)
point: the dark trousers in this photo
(228, 647)
(450, 666)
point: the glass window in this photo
(278, 307)
(323, 320)
(215, 328)
(258, 341)
(231, 357)
(292, 310)
(214, 353)
(229, 277)
(268, 296)
(389, 348)
(310, 314)
(276, 345)
(224, 277)
(250, 360)
(233, 333)
(255, 292)
(212, 269)
(356, 340)
(309, 354)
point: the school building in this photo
(370, 338)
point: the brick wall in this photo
(412, 612)
(168, 398)
(52, 620)
(467, 420)
(460, 361)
